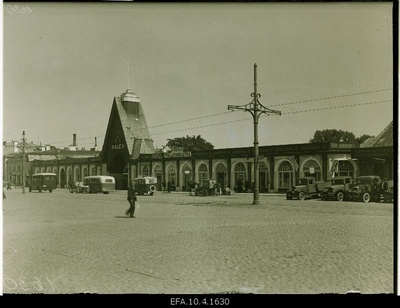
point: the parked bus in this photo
(43, 181)
(145, 185)
(99, 183)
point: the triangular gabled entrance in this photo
(127, 128)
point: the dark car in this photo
(367, 188)
(339, 190)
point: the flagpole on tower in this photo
(128, 75)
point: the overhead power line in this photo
(226, 112)
(283, 104)
(283, 113)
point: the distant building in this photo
(375, 155)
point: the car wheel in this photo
(340, 196)
(50, 190)
(366, 197)
(302, 195)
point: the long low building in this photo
(128, 153)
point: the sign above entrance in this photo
(118, 146)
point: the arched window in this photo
(84, 172)
(313, 169)
(203, 172)
(42, 170)
(70, 176)
(171, 174)
(345, 168)
(37, 170)
(77, 174)
(145, 171)
(92, 170)
(48, 169)
(240, 176)
(157, 169)
(285, 177)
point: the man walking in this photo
(131, 200)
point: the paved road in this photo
(74, 243)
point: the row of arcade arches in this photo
(284, 176)
(66, 174)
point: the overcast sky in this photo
(65, 62)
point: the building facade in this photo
(128, 153)
(279, 166)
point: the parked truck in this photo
(367, 188)
(339, 190)
(307, 187)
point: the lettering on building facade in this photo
(118, 146)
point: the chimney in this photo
(73, 147)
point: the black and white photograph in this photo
(199, 148)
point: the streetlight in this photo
(256, 109)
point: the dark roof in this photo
(61, 154)
(384, 139)
(135, 128)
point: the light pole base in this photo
(255, 202)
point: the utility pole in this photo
(256, 109)
(23, 148)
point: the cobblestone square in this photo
(72, 243)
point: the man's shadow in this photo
(122, 217)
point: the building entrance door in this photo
(159, 182)
(221, 178)
(263, 182)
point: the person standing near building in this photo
(131, 199)
(385, 185)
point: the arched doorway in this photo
(264, 177)
(158, 175)
(312, 168)
(203, 173)
(220, 174)
(186, 176)
(171, 176)
(285, 176)
(62, 178)
(239, 177)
